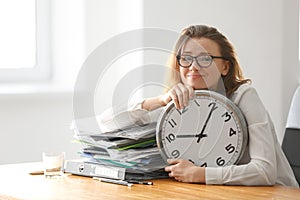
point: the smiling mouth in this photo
(195, 76)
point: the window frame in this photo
(42, 69)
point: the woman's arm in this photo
(153, 103)
(180, 94)
(123, 115)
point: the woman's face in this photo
(198, 77)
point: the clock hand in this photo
(189, 136)
(201, 135)
(185, 136)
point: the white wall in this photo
(34, 123)
(105, 21)
(265, 34)
(35, 117)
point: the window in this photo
(24, 39)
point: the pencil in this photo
(140, 182)
(119, 182)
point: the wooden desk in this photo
(16, 183)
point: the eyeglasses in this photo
(203, 61)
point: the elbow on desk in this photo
(255, 173)
(267, 173)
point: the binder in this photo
(83, 168)
(94, 170)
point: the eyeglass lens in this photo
(202, 60)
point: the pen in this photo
(141, 182)
(119, 182)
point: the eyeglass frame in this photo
(195, 58)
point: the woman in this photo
(205, 59)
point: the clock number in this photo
(214, 106)
(227, 116)
(191, 161)
(172, 123)
(232, 132)
(196, 102)
(175, 153)
(204, 165)
(230, 148)
(170, 137)
(182, 111)
(220, 161)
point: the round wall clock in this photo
(210, 131)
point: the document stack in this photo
(128, 153)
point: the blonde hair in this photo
(234, 77)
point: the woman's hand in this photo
(185, 171)
(180, 94)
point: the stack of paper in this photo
(132, 147)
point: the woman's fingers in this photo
(174, 97)
(173, 161)
(181, 95)
(191, 92)
(184, 95)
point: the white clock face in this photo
(211, 131)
